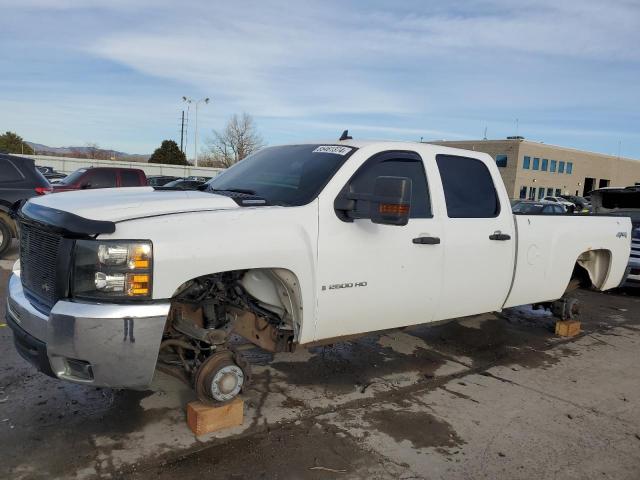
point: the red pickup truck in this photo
(101, 177)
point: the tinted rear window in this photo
(129, 178)
(9, 172)
(468, 187)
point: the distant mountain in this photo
(86, 152)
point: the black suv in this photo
(19, 180)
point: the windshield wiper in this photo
(236, 190)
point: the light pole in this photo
(195, 146)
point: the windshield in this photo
(72, 177)
(288, 175)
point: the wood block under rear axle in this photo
(204, 419)
(567, 328)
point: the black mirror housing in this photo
(391, 201)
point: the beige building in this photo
(534, 170)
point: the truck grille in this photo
(38, 262)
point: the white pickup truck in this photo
(295, 245)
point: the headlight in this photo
(112, 269)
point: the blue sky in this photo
(114, 72)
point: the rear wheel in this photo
(5, 237)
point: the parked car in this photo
(624, 202)
(19, 180)
(160, 180)
(183, 184)
(295, 245)
(101, 177)
(50, 174)
(581, 203)
(569, 206)
(530, 207)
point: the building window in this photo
(560, 167)
(569, 168)
(549, 192)
(536, 163)
(558, 192)
(540, 193)
(526, 163)
(552, 167)
(532, 193)
(545, 164)
(523, 192)
(501, 160)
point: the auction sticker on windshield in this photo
(332, 149)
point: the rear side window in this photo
(102, 179)
(129, 178)
(9, 172)
(468, 187)
(393, 164)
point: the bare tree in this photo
(238, 139)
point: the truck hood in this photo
(118, 204)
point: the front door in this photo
(374, 277)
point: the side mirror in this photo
(391, 201)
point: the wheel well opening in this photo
(591, 269)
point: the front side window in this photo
(287, 175)
(102, 179)
(545, 164)
(501, 160)
(393, 164)
(561, 167)
(73, 177)
(526, 163)
(552, 167)
(469, 191)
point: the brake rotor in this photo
(219, 378)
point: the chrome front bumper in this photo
(98, 344)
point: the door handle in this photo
(426, 240)
(500, 236)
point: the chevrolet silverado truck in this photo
(294, 245)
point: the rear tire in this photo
(5, 237)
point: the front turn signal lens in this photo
(138, 284)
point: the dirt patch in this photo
(355, 364)
(422, 429)
(303, 451)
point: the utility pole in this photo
(182, 133)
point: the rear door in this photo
(373, 276)
(479, 245)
